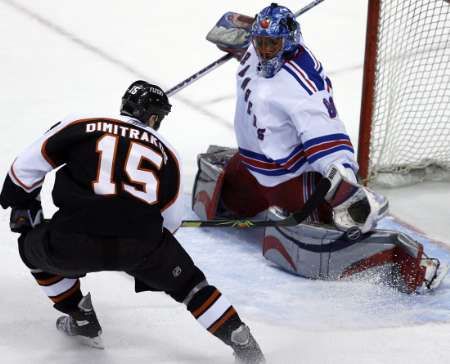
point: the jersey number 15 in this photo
(147, 179)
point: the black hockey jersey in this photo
(117, 177)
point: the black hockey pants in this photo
(161, 265)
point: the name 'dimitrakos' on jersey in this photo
(126, 132)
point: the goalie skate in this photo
(246, 349)
(435, 273)
(83, 324)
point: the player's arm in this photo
(24, 180)
(172, 209)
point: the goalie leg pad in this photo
(224, 188)
(320, 252)
(209, 180)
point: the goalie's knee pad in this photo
(209, 180)
(321, 252)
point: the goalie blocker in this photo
(323, 251)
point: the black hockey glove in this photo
(23, 219)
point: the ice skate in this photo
(82, 324)
(246, 349)
(435, 273)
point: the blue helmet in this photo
(275, 35)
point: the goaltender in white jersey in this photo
(290, 139)
(287, 127)
(287, 124)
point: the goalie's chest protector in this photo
(287, 125)
(264, 129)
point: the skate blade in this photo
(94, 342)
(440, 275)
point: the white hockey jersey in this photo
(287, 125)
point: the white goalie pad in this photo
(208, 181)
(323, 252)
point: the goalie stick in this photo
(212, 66)
(293, 219)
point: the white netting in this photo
(411, 120)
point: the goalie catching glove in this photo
(232, 33)
(356, 209)
(23, 219)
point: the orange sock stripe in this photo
(218, 324)
(63, 296)
(49, 281)
(213, 298)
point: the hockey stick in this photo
(212, 66)
(293, 219)
(204, 71)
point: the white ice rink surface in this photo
(79, 56)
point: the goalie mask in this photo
(143, 100)
(275, 36)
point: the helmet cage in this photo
(267, 47)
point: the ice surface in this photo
(62, 57)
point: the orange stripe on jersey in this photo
(208, 303)
(24, 186)
(66, 294)
(170, 203)
(218, 324)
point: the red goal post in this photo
(404, 134)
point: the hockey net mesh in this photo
(410, 139)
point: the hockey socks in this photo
(214, 312)
(64, 292)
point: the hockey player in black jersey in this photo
(118, 194)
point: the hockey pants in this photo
(58, 259)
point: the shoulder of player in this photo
(306, 72)
(134, 129)
(119, 125)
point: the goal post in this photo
(404, 134)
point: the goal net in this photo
(405, 114)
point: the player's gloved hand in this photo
(356, 209)
(232, 34)
(23, 219)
